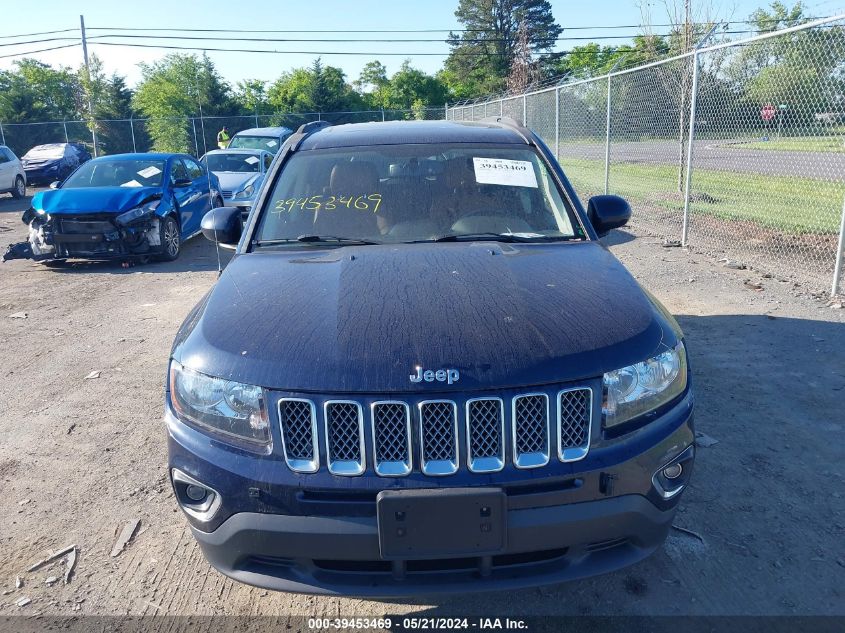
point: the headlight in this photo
(220, 406)
(246, 193)
(640, 388)
(137, 213)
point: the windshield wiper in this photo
(499, 237)
(316, 239)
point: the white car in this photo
(12, 176)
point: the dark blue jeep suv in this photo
(422, 372)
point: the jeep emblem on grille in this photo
(448, 376)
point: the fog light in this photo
(196, 493)
(673, 471)
(197, 499)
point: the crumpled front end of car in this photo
(89, 235)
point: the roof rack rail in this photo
(515, 125)
(305, 130)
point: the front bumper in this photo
(89, 236)
(319, 534)
(40, 175)
(340, 555)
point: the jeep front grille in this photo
(299, 434)
(344, 437)
(531, 430)
(575, 407)
(439, 437)
(485, 435)
(391, 438)
(401, 433)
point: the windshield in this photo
(406, 193)
(117, 173)
(233, 162)
(46, 151)
(267, 143)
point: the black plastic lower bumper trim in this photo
(279, 552)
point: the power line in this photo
(46, 39)
(452, 30)
(40, 50)
(8, 37)
(252, 50)
(367, 40)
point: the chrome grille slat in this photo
(344, 437)
(485, 420)
(574, 418)
(391, 421)
(298, 421)
(530, 430)
(438, 437)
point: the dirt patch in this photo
(806, 258)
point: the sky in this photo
(299, 16)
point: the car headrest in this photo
(459, 172)
(353, 176)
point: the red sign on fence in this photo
(767, 112)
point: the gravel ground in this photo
(763, 520)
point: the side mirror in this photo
(608, 212)
(55, 184)
(182, 182)
(223, 225)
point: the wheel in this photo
(217, 202)
(170, 239)
(20, 188)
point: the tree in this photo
(524, 70)
(176, 88)
(482, 54)
(372, 84)
(101, 101)
(801, 70)
(251, 95)
(409, 86)
(591, 60)
(34, 91)
(315, 89)
(689, 24)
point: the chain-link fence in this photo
(735, 148)
(194, 135)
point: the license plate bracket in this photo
(453, 522)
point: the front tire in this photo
(171, 241)
(20, 188)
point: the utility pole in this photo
(88, 77)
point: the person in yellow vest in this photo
(223, 138)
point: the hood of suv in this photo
(361, 319)
(93, 199)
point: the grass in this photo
(790, 204)
(796, 144)
(832, 144)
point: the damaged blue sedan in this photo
(127, 207)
